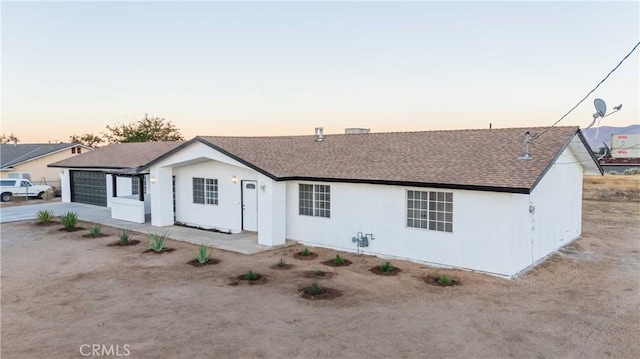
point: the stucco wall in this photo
(485, 226)
(557, 199)
(38, 167)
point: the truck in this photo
(20, 187)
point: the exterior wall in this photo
(39, 170)
(226, 215)
(486, 226)
(128, 208)
(65, 184)
(272, 211)
(557, 199)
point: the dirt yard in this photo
(61, 291)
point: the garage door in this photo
(89, 187)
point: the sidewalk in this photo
(245, 243)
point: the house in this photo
(459, 198)
(32, 159)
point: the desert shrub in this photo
(69, 220)
(281, 263)
(338, 260)
(315, 289)
(387, 267)
(125, 237)
(95, 230)
(48, 195)
(251, 276)
(319, 273)
(44, 217)
(158, 241)
(306, 252)
(444, 280)
(204, 254)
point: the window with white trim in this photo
(314, 200)
(430, 210)
(205, 190)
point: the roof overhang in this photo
(578, 145)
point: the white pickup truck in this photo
(20, 187)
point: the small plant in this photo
(338, 260)
(281, 263)
(444, 280)
(315, 289)
(319, 273)
(387, 267)
(125, 237)
(251, 276)
(306, 252)
(48, 195)
(158, 241)
(204, 254)
(95, 230)
(69, 220)
(44, 217)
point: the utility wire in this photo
(590, 92)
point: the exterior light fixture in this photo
(234, 179)
(153, 180)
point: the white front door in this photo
(249, 205)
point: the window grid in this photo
(135, 187)
(430, 210)
(198, 190)
(315, 200)
(211, 191)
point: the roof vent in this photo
(356, 130)
(527, 140)
(319, 134)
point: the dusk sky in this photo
(267, 68)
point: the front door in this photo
(249, 206)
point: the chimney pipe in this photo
(15, 142)
(319, 134)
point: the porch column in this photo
(272, 214)
(65, 185)
(161, 196)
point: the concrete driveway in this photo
(86, 212)
(245, 243)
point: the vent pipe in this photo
(319, 134)
(527, 140)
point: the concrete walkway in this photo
(245, 243)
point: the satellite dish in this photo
(601, 107)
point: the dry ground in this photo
(60, 291)
(612, 187)
(23, 201)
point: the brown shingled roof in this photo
(475, 158)
(119, 155)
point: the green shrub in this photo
(125, 237)
(251, 276)
(306, 252)
(444, 280)
(387, 267)
(158, 241)
(281, 263)
(338, 260)
(95, 230)
(69, 220)
(204, 254)
(44, 217)
(315, 289)
(319, 273)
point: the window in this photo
(135, 185)
(205, 190)
(73, 150)
(430, 210)
(315, 200)
(79, 150)
(7, 183)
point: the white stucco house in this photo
(458, 198)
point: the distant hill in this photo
(604, 134)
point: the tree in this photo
(88, 139)
(9, 139)
(149, 129)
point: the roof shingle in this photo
(119, 155)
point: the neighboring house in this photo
(33, 158)
(454, 198)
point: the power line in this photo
(588, 94)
